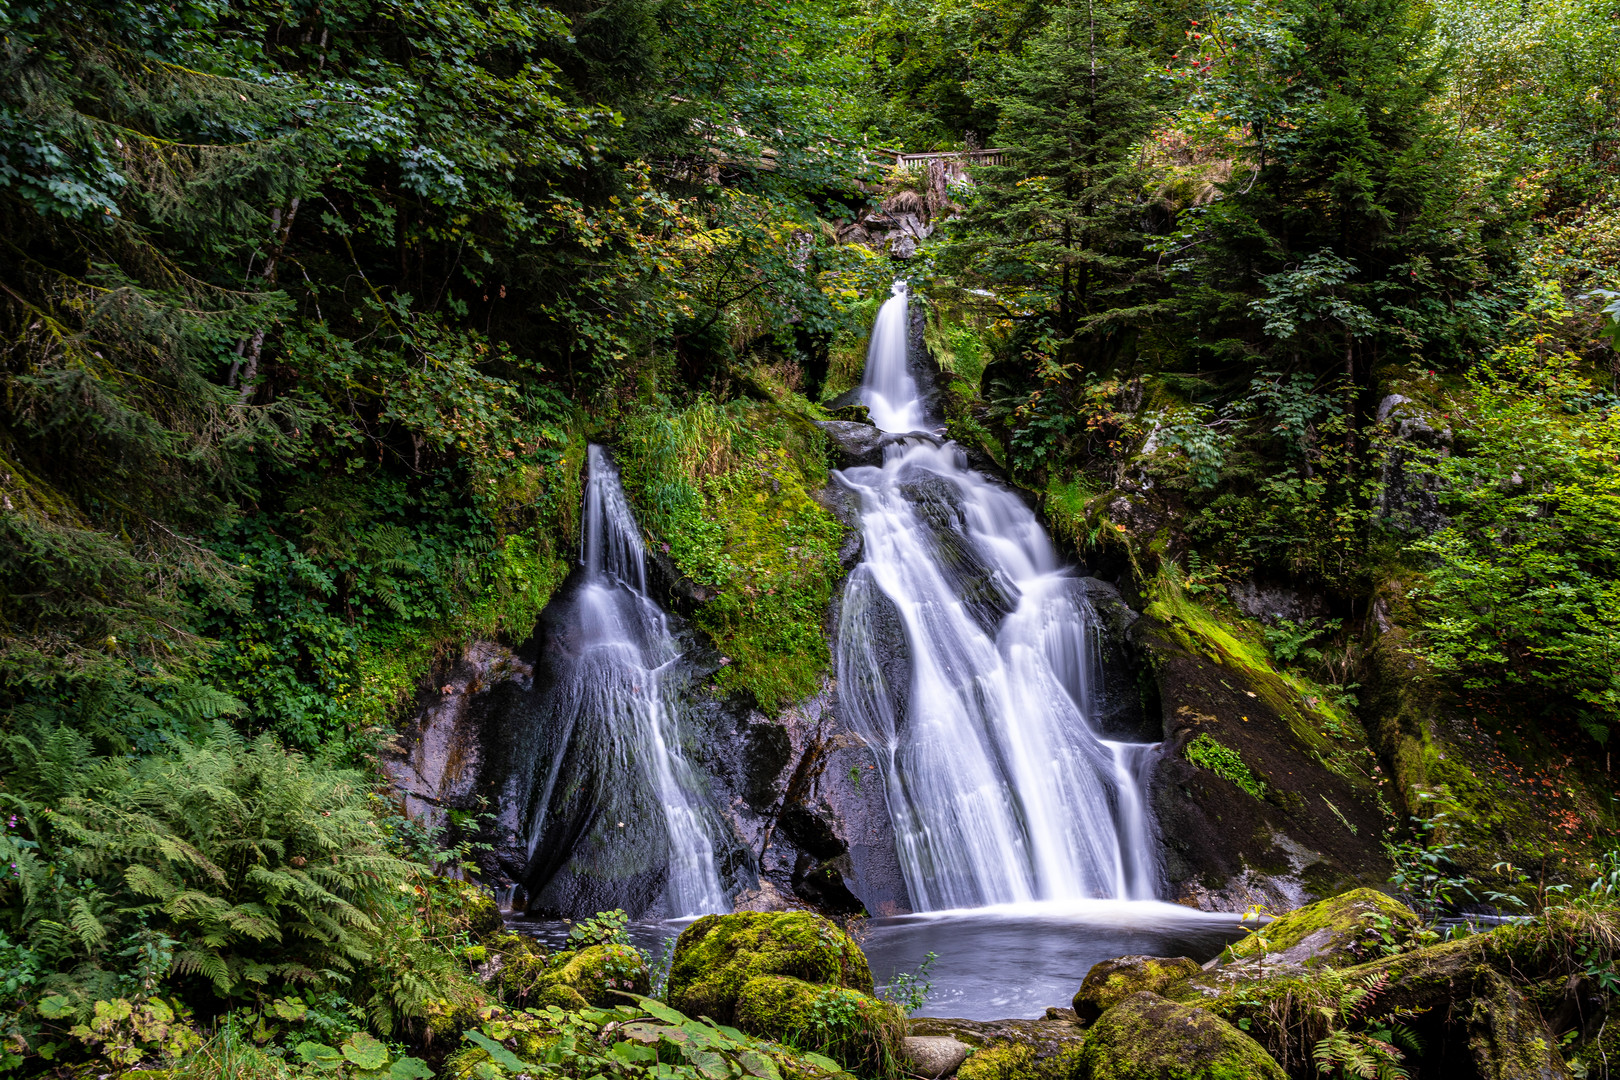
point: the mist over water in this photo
(967, 659)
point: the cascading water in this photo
(628, 792)
(889, 391)
(966, 659)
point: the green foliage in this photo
(644, 1039)
(228, 868)
(603, 928)
(1424, 869)
(1225, 763)
(910, 989)
(1522, 596)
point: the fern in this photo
(259, 863)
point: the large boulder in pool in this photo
(1336, 932)
(861, 1032)
(1112, 981)
(716, 956)
(1146, 1037)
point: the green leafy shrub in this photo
(646, 1039)
(1225, 763)
(1523, 590)
(225, 869)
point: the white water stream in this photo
(999, 788)
(616, 693)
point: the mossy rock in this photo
(718, 954)
(1335, 932)
(517, 968)
(482, 914)
(1009, 1061)
(1016, 1061)
(859, 1030)
(600, 973)
(1112, 981)
(1146, 1037)
(525, 974)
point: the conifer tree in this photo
(1062, 218)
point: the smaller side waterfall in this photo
(889, 391)
(616, 803)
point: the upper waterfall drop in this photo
(888, 389)
(999, 787)
(628, 788)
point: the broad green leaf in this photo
(320, 1055)
(758, 1064)
(409, 1068)
(497, 1053)
(289, 1008)
(55, 1007)
(364, 1050)
(821, 1062)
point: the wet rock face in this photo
(1311, 831)
(1124, 707)
(1409, 498)
(801, 818)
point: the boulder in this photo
(1146, 1037)
(1049, 1047)
(1335, 932)
(599, 973)
(857, 443)
(1112, 981)
(858, 1030)
(717, 955)
(523, 973)
(933, 1056)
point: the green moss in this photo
(599, 973)
(1146, 1037)
(1225, 763)
(846, 356)
(1333, 930)
(858, 1030)
(1233, 641)
(1112, 981)
(1010, 1061)
(728, 489)
(717, 955)
(529, 976)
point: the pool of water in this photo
(1005, 962)
(1013, 962)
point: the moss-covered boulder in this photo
(717, 955)
(523, 973)
(1146, 1037)
(1015, 1061)
(858, 1030)
(1112, 981)
(598, 974)
(1335, 932)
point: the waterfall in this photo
(609, 715)
(889, 391)
(967, 660)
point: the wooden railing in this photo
(951, 159)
